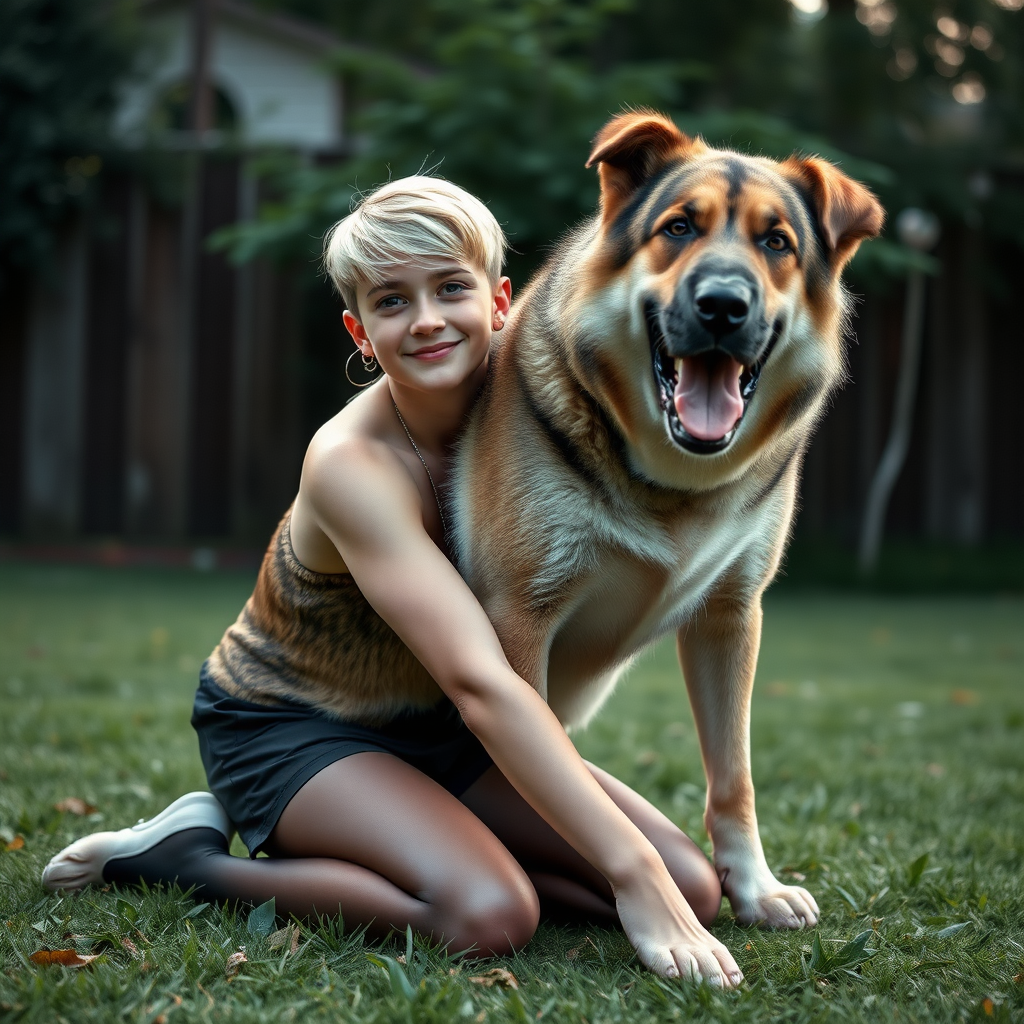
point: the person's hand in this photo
(666, 934)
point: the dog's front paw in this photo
(769, 903)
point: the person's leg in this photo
(569, 887)
(377, 841)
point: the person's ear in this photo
(358, 332)
(502, 303)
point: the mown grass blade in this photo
(400, 983)
(916, 869)
(849, 898)
(819, 959)
(401, 986)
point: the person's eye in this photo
(677, 228)
(452, 288)
(390, 302)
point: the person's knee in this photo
(706, 898)
(494, 916)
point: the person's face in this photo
(429, 328)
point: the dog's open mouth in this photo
(703, 397)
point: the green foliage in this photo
(504, 97)
(507, 107)
(844, 960)
(914, 567)
(881, 729)
(60, 62)
(261, 918)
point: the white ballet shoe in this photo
(82, 863)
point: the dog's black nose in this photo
(722, 305)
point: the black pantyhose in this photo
(373, 839)
(189, 858)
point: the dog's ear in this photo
(846, 211)
(630, 148)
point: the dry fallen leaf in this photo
(61, 958)
(16, 843)
(132, 950)
(964, 697)
(289, 936)
(74, 805)
(233, 964)
(498, 976)
(988, 1006)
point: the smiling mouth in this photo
(436, 351)
(704, 397)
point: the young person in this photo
(359, 723)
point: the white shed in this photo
(270, 75)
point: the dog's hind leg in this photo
(718, 653)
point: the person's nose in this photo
(427, 318)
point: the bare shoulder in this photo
(353, 477)
(340, 454)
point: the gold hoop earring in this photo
(369, 366)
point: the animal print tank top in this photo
(310, 637)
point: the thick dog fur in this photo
(589, 522)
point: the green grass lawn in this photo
(888, 753)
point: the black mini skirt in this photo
(257, 756)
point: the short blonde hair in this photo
(417, 220)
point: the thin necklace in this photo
(419, 455)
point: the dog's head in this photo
(712, 276)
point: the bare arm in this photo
(364, 500)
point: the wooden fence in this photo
(151, 391)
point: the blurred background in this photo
(168, 344)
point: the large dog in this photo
(631, 468)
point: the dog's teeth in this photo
(678, 367)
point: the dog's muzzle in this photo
(708, 348)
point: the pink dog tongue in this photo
(708, 396)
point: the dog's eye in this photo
(777, 241)
(678, 227)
